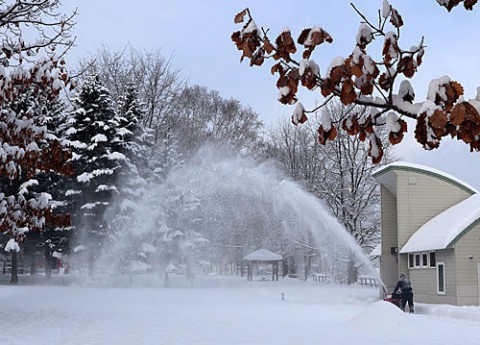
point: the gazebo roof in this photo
(262, 255)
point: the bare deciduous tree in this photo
(154, 77)
(204, 115)
(38, 20)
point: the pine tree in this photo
(56, 238)
(136, 139)
(134, 142)
(92, 134)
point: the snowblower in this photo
(395, 299)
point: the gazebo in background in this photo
(262, 256)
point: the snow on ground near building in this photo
(224, 311)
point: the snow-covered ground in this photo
(224, 310)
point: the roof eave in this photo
(392, 167)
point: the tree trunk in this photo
(91, 263)
(48, 263)
(308, 265)
(33, 264)
(14, 273)
(352, 271)
(166, 280)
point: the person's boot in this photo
(411, 310)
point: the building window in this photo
(441, 278)
(410, 261)
(417, 260)
(432, 259)
(424, 260)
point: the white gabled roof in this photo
(262, 255)
(443, 230)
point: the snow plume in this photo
(216, 208)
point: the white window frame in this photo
(442, 264)
(419, 256)
(430, 262)
(412, 260)
(421, 259)
(411, 263)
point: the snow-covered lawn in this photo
(225, 310)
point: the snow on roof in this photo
(424, 169)
(262, 255)
(442, 231)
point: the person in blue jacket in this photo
(405, 287)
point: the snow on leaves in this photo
(449, 4)
(20, 214)
(12, 246)
(446, 113)
(364, 79)
(247, 39)
(23, 134)
(299, 114)
(311, 38)
(27, 148)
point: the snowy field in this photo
(224, 311)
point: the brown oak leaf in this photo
(311, 38)
(375, 149)
(366, 87)
(299, 116)
(407, 66)
(285, 46)
(453, 91)
(258, 58)
(438, 119)
(468, 4)
(396, 18)
(309, 78)
(277, 68)
(385, 82)
(350, 125)
(397, 137)
(450, 4)
(348, 94)
(324, 135)
(327, 87)
(268, 46)
(239, 17)
(428, 141)
(468, 131)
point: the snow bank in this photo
(381, 314)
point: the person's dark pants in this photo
(407, 297)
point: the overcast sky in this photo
(197, 36)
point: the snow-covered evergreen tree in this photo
(92, 133)
(136, 139)
(134, 143)
(56, 237)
